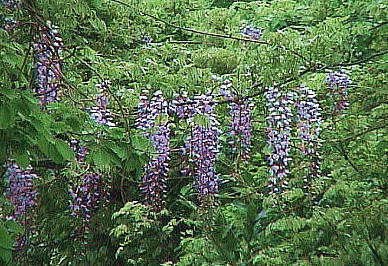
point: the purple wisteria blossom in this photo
(22, 195)
(8, 23)
(80, 150)
(252, 32)
(47, 48)
(241, 122)
(11, 3)
(100, 113)
(279, 135)
(338, 83)
(309, 126)
(202, 148)
(86, 197)
(153, 122)
(21, 192)
(182, 106)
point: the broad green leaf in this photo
(64, 149)
(5, 239)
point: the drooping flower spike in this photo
(202, 149)
(338, 83)
(8, 23)
(309, 127)
(240, 130)
(153, 122)
(47, 48)
(21, 192)
(279, 135)
(86, 196)
(23, 196)
(100, 113)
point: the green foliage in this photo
(344, 220)
(143, 236)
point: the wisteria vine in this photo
(338, 83)
(309, 127)
(202, 147)
(22, 195)
(47, 48)
(152, 121)
(240, 129)
(100, 113)
(279, 136)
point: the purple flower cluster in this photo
(241, 124)
(146, 39)
(153, 122)
(11, 3)
(279, 136)
(309, 127)
(338, 83)
(100, 113)
(21, 192)
(86, 196)
(202, 147)
(47, 47)
(252, 32)
(80, 150)
(9, 24)
(182, 106)
(146, 116)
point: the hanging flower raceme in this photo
(86, 196)
(153, 122)
(100, 113)
(338, 83)
(183, 107)
(47, 48)
(252, 32)
(22, 195)
(279, 136)
(20, 192)
(202, 148)
(241, 122)
(309, 127)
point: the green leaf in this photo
(23, 160)
(7, 115)
(98, 24)
(100, 157)
(120, 151)
(64, 149)
(141, 144)
(5, 239)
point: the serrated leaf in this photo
(141, 144)
(100, 157)
(119, 151)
